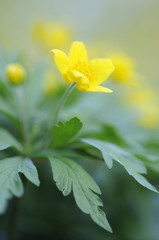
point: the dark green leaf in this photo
(109, 133)
(64, 132)
(10, 123)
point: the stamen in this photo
(85, 69)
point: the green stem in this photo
(62, 101)
(46, 138)
(22, 107)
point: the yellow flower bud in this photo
(15, 73)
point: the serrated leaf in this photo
(69, 175)
(64, 132)
(143, 181)
(10, 181)
(100, 145)
(30, 171)
(133, 166)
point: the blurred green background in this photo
(128, 25)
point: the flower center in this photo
(84, 68)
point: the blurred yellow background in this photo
(129, 25)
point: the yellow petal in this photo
(102, 69)
(98, 89)
(61, 61)
(78, 53)
(81, 80)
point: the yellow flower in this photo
(141, 95)
(145, 100)
(50, 34)
(15, 73)
(76, 68)
(124, 68)
(149, 116)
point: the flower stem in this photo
(23, 112)
(46, 137)
(62, 101)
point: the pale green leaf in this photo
(143, 181)
(100, 145)
(10, 181)
(4, 145)
(8, 140)
(134, 166)
(69, 175)
(30, 171)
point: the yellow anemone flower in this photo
(124, 68)
(87, 75)
(144, 99)
(51, 83)
(52, 34)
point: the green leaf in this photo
(6, 139)
(133, 166)
(4, 90)
(30, 171)
(109, 133)
(64, 132)
(11, 123)
(4, 146)
(69, 175)
(10, 181)
(150, 160)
